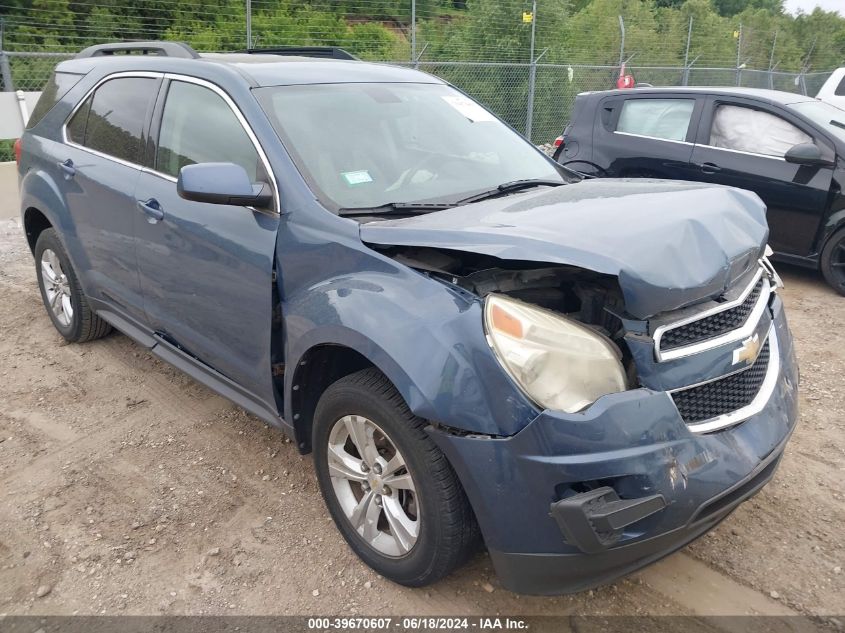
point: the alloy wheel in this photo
(373, 485)
(56, 287)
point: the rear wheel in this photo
(66, 304)
(832, 261)
(390, 490)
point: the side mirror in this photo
(806, 154)
(221, 183)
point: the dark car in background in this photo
(786, 148)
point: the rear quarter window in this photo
(666, 119)
(57, 87)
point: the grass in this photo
(7, 150)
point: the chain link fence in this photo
(27, 71)
(524, 59)
(504, 88)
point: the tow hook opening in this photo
(595, 520)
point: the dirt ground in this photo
(127, 488)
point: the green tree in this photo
(732, 7)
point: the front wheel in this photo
(832, 261)
(389, 489)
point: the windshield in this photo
(368, 145)
(829, 117)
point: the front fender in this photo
(426, 337)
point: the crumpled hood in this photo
(669, 243)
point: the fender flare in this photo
(344, 337)
(39, 191)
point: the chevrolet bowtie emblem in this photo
(749, 350)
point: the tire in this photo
(63, 298)
(437, 507)
(832, 261)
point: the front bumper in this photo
(634, 443)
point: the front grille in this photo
(713, 325)
(724, 395)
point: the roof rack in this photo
(325, 52)
(164, 49)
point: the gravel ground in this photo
(125, 487)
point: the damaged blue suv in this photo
(476, 344)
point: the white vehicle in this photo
(833, 90)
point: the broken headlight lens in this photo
(770, 270)
(559, 363)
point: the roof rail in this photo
(325, 52)
(164, 49)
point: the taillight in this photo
(17, 151)
(558, 141)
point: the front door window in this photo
(749, 130)
(198, 126)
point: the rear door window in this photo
(112, 120)
(667, 119)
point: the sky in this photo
(808, 5)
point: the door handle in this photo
(68, 169)
(710, 168)
(152, 209)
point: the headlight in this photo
(559, 363)
(770, 270)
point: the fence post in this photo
(532, 75)
(5, 68)
(772, 62)
(413, 30)
(6, 72)
(529, 115)
(248, 24)
(685, 76)
(805, 67)
(622, 44)
(416, 61)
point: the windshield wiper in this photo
(838, 124)
(419, 208)
(396, 208)
(508, 187)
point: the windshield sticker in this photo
(469, 108)
(357, 177)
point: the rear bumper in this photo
(634, 444)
